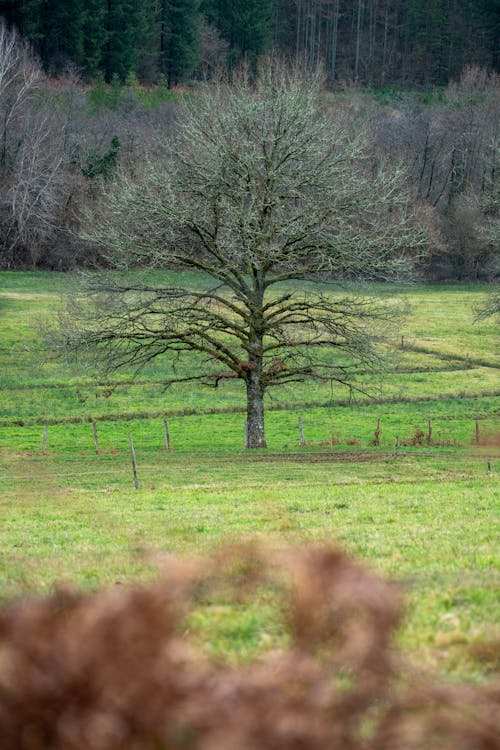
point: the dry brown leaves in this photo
(111, 671)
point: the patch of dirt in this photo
(347, 457)
(28, 295)
(22, 454)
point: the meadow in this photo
(421, 507)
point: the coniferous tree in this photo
(375, 42)
(179, 39)
(125, 32)
(245, 24)
(27, 16)
(63, 33)
(94, 35)
(54, 29)
(148, 61)
(490, 11)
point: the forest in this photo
(90, 86)
(373, 42)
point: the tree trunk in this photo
(255, 411)
(335, 36)
(358, 41)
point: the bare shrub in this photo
(111, 671)
(465, 229)
(419, 438)
(213, 52)
(450, 149)
(333, 440)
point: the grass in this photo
(422, 520)
(426, 516)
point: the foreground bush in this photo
(111, 671)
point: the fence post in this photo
(96, 438)
(132, 456)
(44, 438)
(167, 435)
(477, 431)
(429, 433)
(376, 439)
(396, 446)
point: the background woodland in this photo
(88, 87)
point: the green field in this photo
(425, 515)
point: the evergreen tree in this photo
(63, 33)
(245, 24)
(27, 16)
(94, 35)
(55, 29)
(125, 32)
(489, 11)
(179, 38)
(148, 60)
(373, 41)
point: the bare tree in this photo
(34, 181)
(56, 145)
(39, 184)
(213, 52)
(451, 152)
(19, 76)
(490, 231)
(490, 308)
(263, 186)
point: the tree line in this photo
(373, 42)
(60, 141)
(380, 42)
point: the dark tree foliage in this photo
(94, 35)
(97, 165)
(56, 30)
(27, 15)
(375, 42)
(179, 32)
(245, 24)
(113, 37)
(125, 32)
(63, 33)
(390, 41)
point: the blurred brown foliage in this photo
(112, 671)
